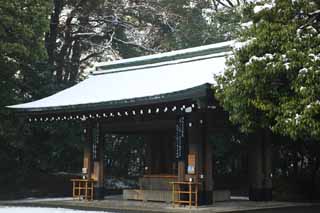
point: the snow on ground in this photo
(239, 198)
(8, 209)
(32, 199)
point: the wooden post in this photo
(181, 170)
(208, 176)
(199, 147)
(98, 157)
(195, 148)
(87, 158)
(148, 164)
(208, 162)
(156, 154)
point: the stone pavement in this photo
(116, 204)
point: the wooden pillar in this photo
(181, 170)
(260, 167)
(98, 161)
(208, 174)
(200, 151)
(208, 162)
(167, 154)
(196, 150)
(148, 164)
(156, 154)
(87, 150)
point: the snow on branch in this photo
(259, 8)
(316, 12)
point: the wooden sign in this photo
(180, 138)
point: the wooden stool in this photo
(82, 189)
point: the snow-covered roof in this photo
(132, 81)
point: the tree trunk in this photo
(313, 185)
(51, 36)
(260, 167)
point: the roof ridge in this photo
(160, 64)
(188, 53)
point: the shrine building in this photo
(166, 96)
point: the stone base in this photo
(147, 195)
(98, 193)
(260, 194)
(205, 198)
(221, 195)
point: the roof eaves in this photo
(188, 94)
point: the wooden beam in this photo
(139, 126)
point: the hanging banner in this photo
(180, 137)
(95, 142)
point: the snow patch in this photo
(239, 45)
(284, 58)
(314, 12)
(267, 56)
(288, 120)
(32, 200)
(10, 59)
(302, 88)
(314, 57)
(287, 66)
(297, 118)
(7, 209)
(312, 29)
(259, 8)
(247, 24)
(254, 58)
(311, 105)
(303, 71)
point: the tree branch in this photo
(95, 54)
(135, 45)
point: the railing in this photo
(190, 189)
(82, 189)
